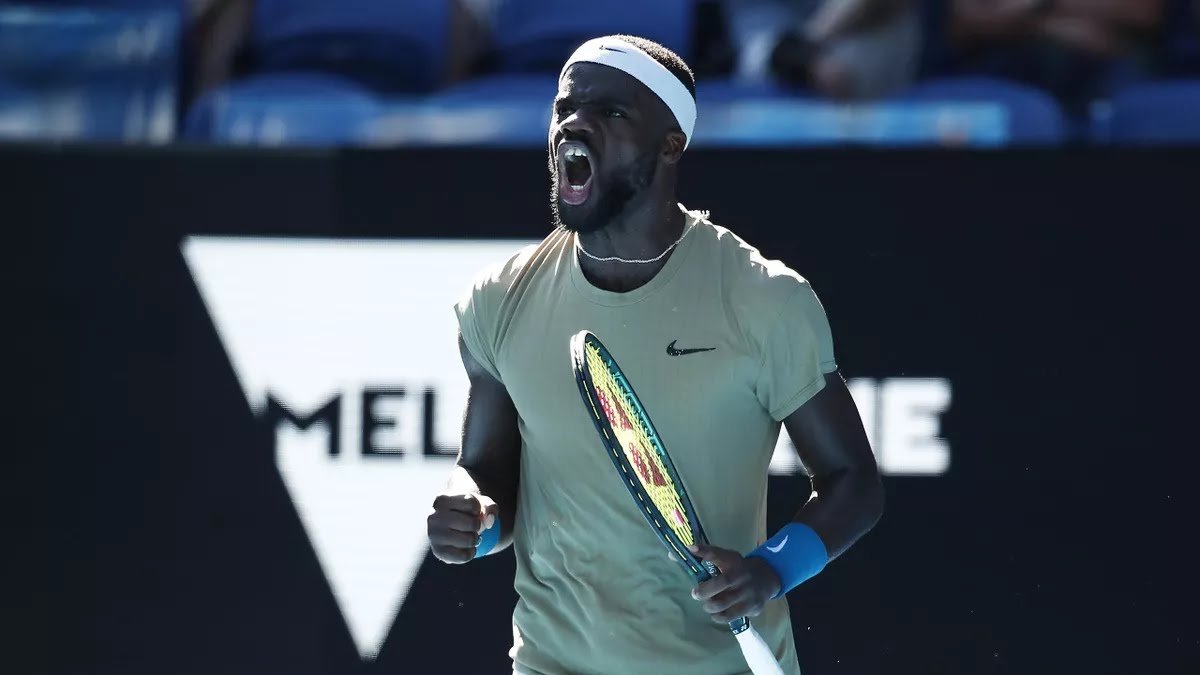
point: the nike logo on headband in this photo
(645, 69)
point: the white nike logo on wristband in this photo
(777, 549)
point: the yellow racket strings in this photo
(634, 439)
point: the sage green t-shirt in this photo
(597, 592)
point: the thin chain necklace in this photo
(635, 261)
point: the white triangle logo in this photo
(328, 336)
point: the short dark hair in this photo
(669, 59)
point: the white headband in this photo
(626, 57)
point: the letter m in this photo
(328, 414)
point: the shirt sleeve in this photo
(797, 354)
(476, 322)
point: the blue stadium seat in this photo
(391, 45)
(514, 110)
(724, 90)
(321, 110)
(167, 5)
(90, 73)
(1155, 113)
(284, 109)
(518, 105)
(539, 87)
(539, 35)
(501, 110)
(756, 114)
(1033, 116)
(18, 113)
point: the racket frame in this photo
(699, 570)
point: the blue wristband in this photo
(489, 539)
(796, 553)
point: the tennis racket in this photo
(636, 450)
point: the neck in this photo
(642, 233)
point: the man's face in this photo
(605, 137)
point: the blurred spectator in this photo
(846, 49)
(1097, 27)
(220, 36)
(1078, 49)
(217, 34)
(469, 42)
(1181, 48)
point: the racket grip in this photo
(756, 652)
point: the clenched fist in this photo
(456, 523)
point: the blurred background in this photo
(236, 228)
(989, 73)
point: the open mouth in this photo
(574, 172)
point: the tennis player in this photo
(722, 345)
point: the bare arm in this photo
(485, 476)
(490, 460)
(220, 29)
(1128, 13)
(468, 41)
(1097, 37)
(1091, 25)
(1100, 26)
(846, 503)
(839, 17)
(848, 496)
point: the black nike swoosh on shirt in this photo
(680, 352)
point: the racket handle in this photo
(754, 649)
(756, 652)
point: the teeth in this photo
(576, 152)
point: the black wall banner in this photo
(237, 391)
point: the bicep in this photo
(491, 438)
(828, 432)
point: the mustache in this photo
(621, 186)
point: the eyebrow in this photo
(606, 99)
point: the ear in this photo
(672, 147)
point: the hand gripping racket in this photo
(644, 467)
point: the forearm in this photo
(844, 506)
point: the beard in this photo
(620, 187)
